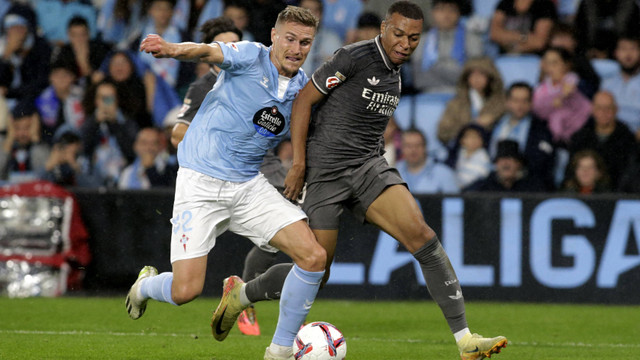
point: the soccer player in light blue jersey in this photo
(219, 186)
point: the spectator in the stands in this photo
(341, 16)
(438, 61)
(368, 26)
(263, 15)
(625, 86)
(108, 135)
(149, 169)
(479, 99)
(325, 43)
(423, 175)
(522, 26)
(86, 54)
(629, 182)
(22, 154)
(61, 102)
(238, 12)
(587, 174)
(172, 71)
(469, 158)
(599, 23)
(54, 15)
(607, 135)
(120, 21)
(557, 100)
(135, 92)
(532, 135)
(66, 165)
(25, 53)
(563, 36)
(510, 174)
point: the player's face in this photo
(400, 36)
(291, 45)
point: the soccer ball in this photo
(319, 341)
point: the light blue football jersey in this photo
(241, 117)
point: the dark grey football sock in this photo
(442, 283)
(268, 285)
(257, 262)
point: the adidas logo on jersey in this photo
(373, 80)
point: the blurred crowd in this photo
(500, 95)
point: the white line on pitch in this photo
(352, 338)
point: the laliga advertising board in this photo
(528, 248)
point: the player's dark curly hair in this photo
(213, 27)
(407, 9)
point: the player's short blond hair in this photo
(298, 15)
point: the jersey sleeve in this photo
(333, 72)
(239, 55)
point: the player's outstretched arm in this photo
(300, 117)
(185, 51)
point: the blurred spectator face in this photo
(367, 33)
(22, 128)
(61, 80)
(238, 15)
(478, 81)
(628, 55)
(508, 169)
(446, 16)
(285, 153)
(78, 34)
(147, 143)
(522, 6)
(17, 30)
(120, 67)
(604, 109)
(519, 102)
(471, 140)
(226, 37)
(414, 150)
(553, 66)
(314, 6)
(106, 96)
(161, 13)
(587, 173)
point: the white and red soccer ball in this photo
(319, 341)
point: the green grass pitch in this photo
(98, 328)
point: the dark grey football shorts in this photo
(355, 187)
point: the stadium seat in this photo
(428, 111)
(515, 68)
(605, 67)
(484, 8)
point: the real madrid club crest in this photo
(269, 121)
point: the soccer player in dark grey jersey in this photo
(356, 92)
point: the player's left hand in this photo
(294, 182)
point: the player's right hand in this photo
(294, 182)
(155, 45)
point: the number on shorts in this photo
(182, 221)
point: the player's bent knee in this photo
(417, 235)
(314, 259)
(182, 294)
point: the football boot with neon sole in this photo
(135, 303)
(476, 347)
(229, 308)
(248, 322)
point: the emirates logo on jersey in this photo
(269, 121)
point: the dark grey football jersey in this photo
(195, 95)
(363, 90)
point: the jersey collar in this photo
(383, 54)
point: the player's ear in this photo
(273, 35)
(383, 25)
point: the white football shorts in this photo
(205, 207)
